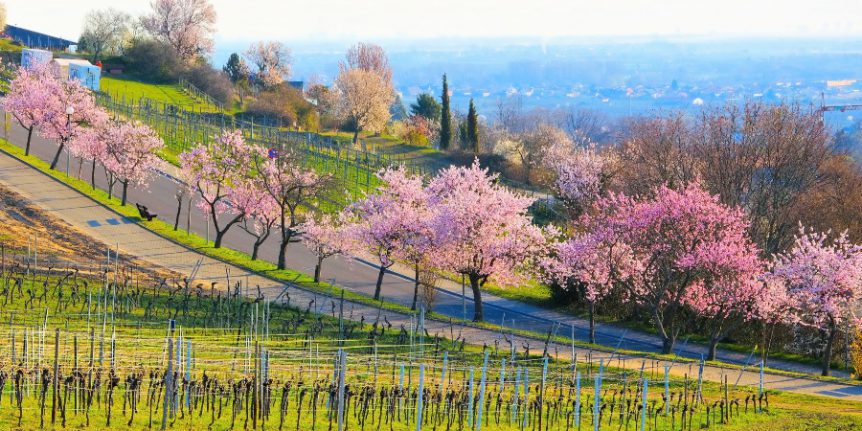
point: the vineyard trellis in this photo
(181, 129)
(118, 350)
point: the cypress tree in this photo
(473, 128)
(445, 118)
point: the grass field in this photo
(131, 90)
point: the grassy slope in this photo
(132, 90)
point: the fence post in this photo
(419, 397)
(644, 409)
(56, 375)
(482, 391)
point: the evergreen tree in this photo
(462, 134)
(426, 106)
(236, 69)
(473, 128)
(446, 118)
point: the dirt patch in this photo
(25, 227)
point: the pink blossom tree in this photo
(293, 187)
(71, 109)
(90, 144)
(823, 279)
(260, 213)
(130, 155)
(30, 98)
(394, 223)
(482, 229)
(325, 237)
(730, 291)
(578, 173)
(579, 262)
(658, 250)
(211, 171)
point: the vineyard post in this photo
(597, 400)
(502, 375)
(699, 381)
(470, 406)
(526, 395)
(542, 388)
(443, 373)
(666, 390)
(341, 390)
(760, 386)
(168, 375)
(482, 382)
(56, 394)
(515, 398)
(577, 423)
(644, 409)
(419, 398)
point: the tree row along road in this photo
(78, 210)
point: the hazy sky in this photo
(243, 20)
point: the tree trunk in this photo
(255, 249)
(667, 343)
(713, 348)
(221, 232)
(282, 254)
(125, 192)
(317, 269)
(415, 286)
(379, 285)
(93, 175)
(827, 354)
(29, 136)
(592, 322)
(478, 315)
(355, 136)
(179, 211)
(57, 155)
(219, 237)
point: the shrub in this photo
(285, 104)
(213, 82)
(153, 61)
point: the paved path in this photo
(81, 212)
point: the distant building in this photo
(34, 39)
(299, 85)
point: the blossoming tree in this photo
(482, 229)
(394, 223)
(71, 109)
(293, 187)
(325, 237)
(259, 211)
(211, 171)
(660, 250)
(130, 154)
(823, 279)
(30, 97)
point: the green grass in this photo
(132, 90)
